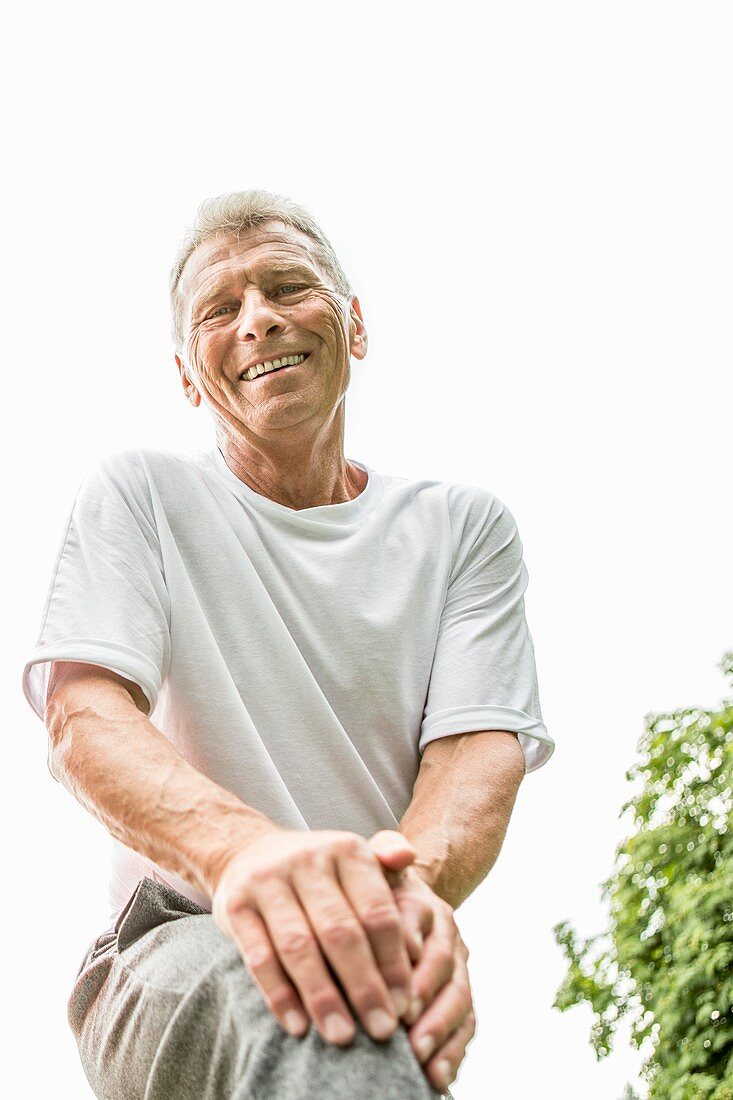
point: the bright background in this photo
(534, 206)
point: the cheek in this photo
(327, 314)
(200, 352)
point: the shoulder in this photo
(459, 498)
(477, 521)
(133, 476)
(474, 509)
(470, 509)
(138, 466)
(484, 530)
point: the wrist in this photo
(232, 835)
(433, 856)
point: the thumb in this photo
(392, 849)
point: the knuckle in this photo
(258, 878)
(295, 943)
(397, 976)
(280, 998)
(340, 933)
(323, 1002)
(232, 907)
(259, 957)
(313, 858)
(350, 844)
(367, 995)
(382, 918)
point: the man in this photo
(301, 696)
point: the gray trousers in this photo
(164, 1008)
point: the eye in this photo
(289, 288)
(217, 311)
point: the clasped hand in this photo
(328, 921)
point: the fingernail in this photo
(380, 1024)
(399, 1000)
(295, 1022)
(425, 1047)
(336, 1028)
(414, 1011)
(444, 1073)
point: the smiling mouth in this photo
(274, 365)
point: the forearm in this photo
(461, 804)
(123, 770)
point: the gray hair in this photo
(235, 213)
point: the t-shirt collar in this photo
(344, 512)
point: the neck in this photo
(307, 479)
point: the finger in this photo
(414, 944)
(301, 957)
(373, 901)
(417, 919)
(414, 913)
(446, 1013)
(443, 1067)
(255, 946)
(345, 944)
(392, 849)
(438, 959)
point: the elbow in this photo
(52, 765)
(56, 723)
(54, 762)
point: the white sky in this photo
(534, 206)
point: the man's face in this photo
(257, 299)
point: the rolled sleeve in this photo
(107, 603)
(484, 672)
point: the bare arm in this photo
(110, 756)
(461, 804)
(292, 900)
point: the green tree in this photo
(666, 960)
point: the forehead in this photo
(224, 255)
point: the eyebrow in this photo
(271, 273)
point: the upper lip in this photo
(272, 358)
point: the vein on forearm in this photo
(123, 770)
(460, 808)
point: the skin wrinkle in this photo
(282, 436)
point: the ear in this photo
(190, 390)
(357, 330)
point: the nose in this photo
(257, 317)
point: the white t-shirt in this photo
(302, 659)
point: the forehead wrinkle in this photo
(220, 247)
(286, 260)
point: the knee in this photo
(291, 1068)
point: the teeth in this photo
(264, 368)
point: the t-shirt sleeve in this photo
(107, 603)
(484, 675)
